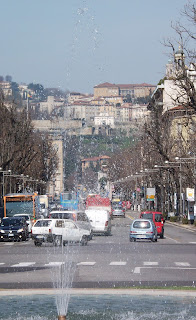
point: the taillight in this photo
(149, 232)
(50, 231)
(106, 223)
(133, 231)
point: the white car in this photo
(27, 218)
(100, 221)
(58, 231)
(78, 216)
(66, 231)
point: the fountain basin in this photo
(112, 305)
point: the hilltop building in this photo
(134, 90)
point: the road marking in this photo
(192, 242)
(150, 263)
(23, 264)
(88, 263)
(137, 270)
(172, 239)
(182, 264)
(2, 263)
(118, 263)
(54, 264)
(8, 243)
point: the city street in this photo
(106, 262)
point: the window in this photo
(147, 216)
(43, 223)
(59, 224)
(141, 224)
(69, 225)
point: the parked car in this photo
(14, 228)
(157, 218)
(57, 231)
(100, 221)
(79, 216)
(118, 211)
(27, 218)
(143, 229)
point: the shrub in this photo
(185, 221)
(173, 219)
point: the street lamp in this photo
(4, 172)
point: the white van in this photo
(100, 221)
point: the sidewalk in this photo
(135, 215)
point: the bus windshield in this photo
(14, 207)
(21, 204)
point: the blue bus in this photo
(69, 200)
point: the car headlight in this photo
(20, 230)
(2, 231)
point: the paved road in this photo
(106, 262)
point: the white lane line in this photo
(8, 243)
(2, 263)
(192, 242)
(54, 264)
(23, 264)
(87, 263)
(150, 263)
(137, 270)
(118, 263)
(166, 237)
(182, 264)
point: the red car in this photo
(157, 218)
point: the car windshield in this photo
(24, 217)
(147, 216)
(60, 215)
(43, 223)
(10, 222)
(141, 224)
(82, 217)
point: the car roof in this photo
(157, 212)
(143, 220)
(21, 214)
(9, 218)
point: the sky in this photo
(77, 44)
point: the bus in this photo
(21, 203)
(69, 200)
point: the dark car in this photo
(13, 228)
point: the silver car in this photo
(118, 211)
(143, 229)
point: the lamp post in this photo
(4, 173)
(181, 161)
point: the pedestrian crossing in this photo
(144, 264)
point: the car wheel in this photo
(57, 241)
(162, 235)
(131, 239)
(84, 241)
(37, 243)
(154, 238)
